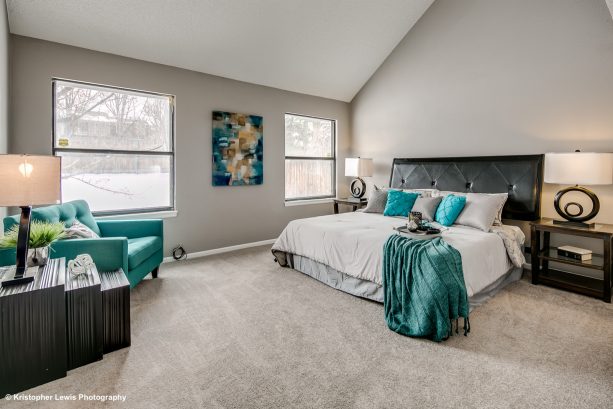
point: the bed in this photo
(345, 251)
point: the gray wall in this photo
(4, 79)
(209, 217)
(4, 85)
(494, 77)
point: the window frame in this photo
(332, 158)
(171, 153)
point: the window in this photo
(310, 157)
(117, 147)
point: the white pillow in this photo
(80, 231)
(502, 197)
(481, 210)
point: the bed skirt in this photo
(373, 291)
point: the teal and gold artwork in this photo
(238, 149)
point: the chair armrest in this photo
(8, 257)
(131, 228)
(108, 253)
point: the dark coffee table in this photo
(116, 310)
(83, 318)
(33, 334)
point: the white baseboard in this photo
(211, 252)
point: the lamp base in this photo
(578, 218)
(574, 224)
(20, 274)
(357, 188)
(13, 278)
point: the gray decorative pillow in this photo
(80, 231)
(376, 201)
(481, 210)
(498, 219)
(427, 207)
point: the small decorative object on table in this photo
(81, 265)
(415, 221)
(575, 253)
(42, 234)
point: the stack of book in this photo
(575, 253)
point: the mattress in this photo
(352, 244)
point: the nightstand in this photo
(542, 253)
(349, 201)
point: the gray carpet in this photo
(236, 330)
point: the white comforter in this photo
(353, 244)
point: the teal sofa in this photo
(136, 246)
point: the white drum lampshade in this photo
(358, 167)
(27, 180)
(578, 168)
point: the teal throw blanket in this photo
(424, 288)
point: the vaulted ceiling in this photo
(328, 48)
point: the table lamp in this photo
(578, 168)
(358, 168)
(27, 180)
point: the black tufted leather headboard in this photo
(520, 176)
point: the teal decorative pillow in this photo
(449, 209)
(399, 203)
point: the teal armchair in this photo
(136, 246)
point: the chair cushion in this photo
(141, 249)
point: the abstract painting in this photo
(238, 149)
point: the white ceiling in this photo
(328, 48)
(610, 4)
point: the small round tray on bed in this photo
(419, 235)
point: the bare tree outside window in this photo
(116, 147)
(310, 157)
